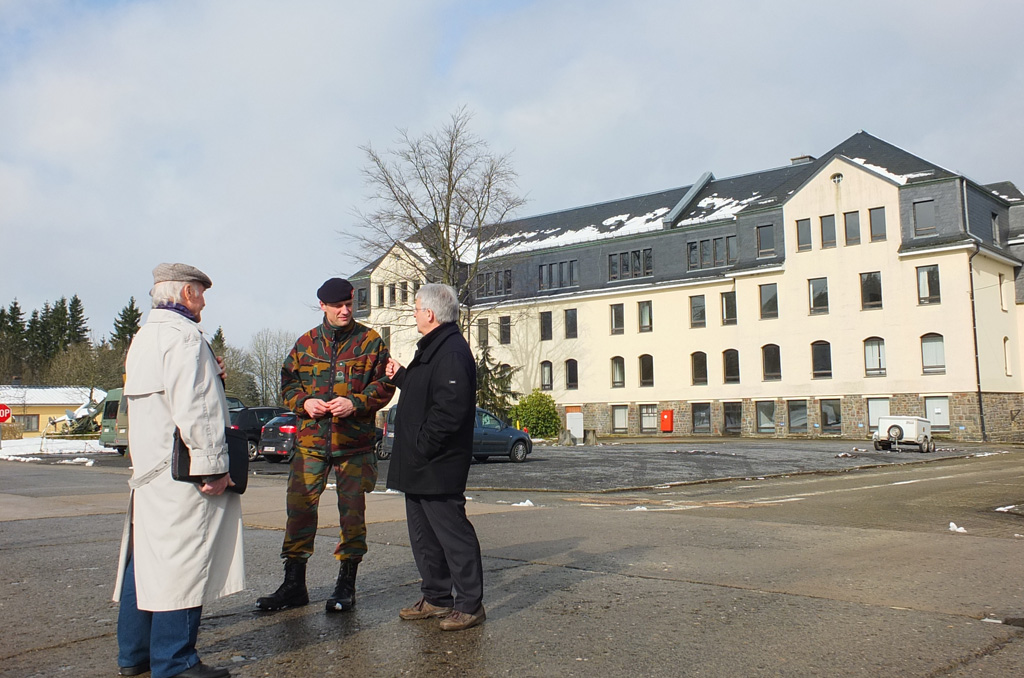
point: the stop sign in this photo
(5, 413)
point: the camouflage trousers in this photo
(307, 479)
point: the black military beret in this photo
(334, 291)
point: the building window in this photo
(731, 249)
(618, 372)
(828, 231)
(496, 283)
(385, 335)
(362, 299)
(874, 357)
(646, 370)
(851, 226)
(876, 215)
(545, 376)
(728, 308)
(481, 333)
(765, 413)
(391, 294)
(870, 290)
(818, 291)
(618, 322)
(620, 418)
(692, 257)
(648, 418)
(545, 325)
(705, 254)
(505, 329)
(821, 360)
(698, 317)
(936, 410)
(933, 354)
(924, 217)
(702, 417)
(797, 411)
(733, 413)
(646, 316)
(404, 292)
(380, 296)
(769, 301)
(928, 285)
(765, 240)
(29, 423)
(731, 366)
(718, 244)
(632, 264)
(699, 368)
(771, 362)
(995, 228)
(831, 416)
(803, 235)
(572, 375)
(570, 323)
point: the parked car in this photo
(250, 421)
(894, 431)
(277, 439)
(491, 438)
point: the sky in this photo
(226, 133)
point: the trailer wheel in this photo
(895, 432)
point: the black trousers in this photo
(446, 550)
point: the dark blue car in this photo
(491, 438)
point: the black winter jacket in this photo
(433, 443)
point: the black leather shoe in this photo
(201, 670)
(136, 670)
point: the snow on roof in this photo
(62, 396)
(900, 179)
(716, 208)
(610, 227)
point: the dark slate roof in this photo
(724, 198)
(1006, 191)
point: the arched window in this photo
(618, 372)
(646, 370)
(771, 362)
(731, 366)
(699, 368)
(821, 360)
(545, 376)
(572, 380)
(874, 357)
(933, 354)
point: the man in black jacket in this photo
(430, 461)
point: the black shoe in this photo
(201, 670)
(292, 593)
(136, 670)
(344, 597)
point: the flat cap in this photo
(334, 291)
(180, 273)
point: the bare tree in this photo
(267, 351)
(443, 197)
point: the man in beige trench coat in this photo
(182, 543)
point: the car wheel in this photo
(518, 452)
(274, 459)
(254, 451)
(480, 458)
(895, 431)
(381, 452)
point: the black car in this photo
(491, 438)
(250, 421)
(278, 438)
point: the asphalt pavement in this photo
(619, 560)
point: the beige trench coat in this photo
(187, 546)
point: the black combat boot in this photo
(344, 597)
(292, 593)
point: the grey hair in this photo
(170, 291)
(442, 300)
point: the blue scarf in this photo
(179, 309)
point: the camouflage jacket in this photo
(327, 362)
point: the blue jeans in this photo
(167, 640)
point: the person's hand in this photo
(391, 369)
(315, 407)
(217, 487)
(341, 407)
(223, 370)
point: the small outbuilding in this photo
(32, 407)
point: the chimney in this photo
(802, 159)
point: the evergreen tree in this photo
(12, 342)
(126, 325)
(36, 344)
(78, 331)
(56, 328)
(494, 385)
(218, 343)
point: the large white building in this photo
(805, 300)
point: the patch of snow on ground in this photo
(52, 446)
(78, 460)
(638, 508)
(527, 502)
(953, 528)
(1004, 509)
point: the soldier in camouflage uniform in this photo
(334, 379)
